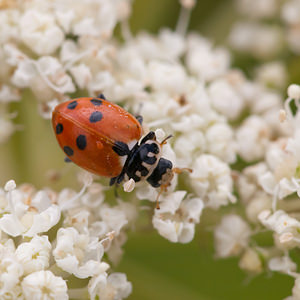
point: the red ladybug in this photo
(104, 139)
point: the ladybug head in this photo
(144, 162)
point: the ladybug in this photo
(105, 139)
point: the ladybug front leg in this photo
(101, 96)
(139, 118)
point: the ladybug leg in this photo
(149, 136)
(139, 118)
(117, 180)
(113, 181)
(121, 148)
(101, 96)
(67, 159)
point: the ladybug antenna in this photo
(164, 187)
(180, 170)
(165, 139)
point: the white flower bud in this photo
(10, 185)
(129, 185)
(189, 4)
(231, 236)
(294, 91)
(251, 262)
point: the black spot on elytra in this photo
(72, 104)
(96, 116)
(96, 102)
(81, 142)
(59, 128)
(68, 150)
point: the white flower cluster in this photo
(255, 34)
(181, 84)
(269, 191)
(37, 264)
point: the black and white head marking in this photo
(144, 162)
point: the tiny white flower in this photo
(285, 227)
(9, 94)
(24, 74)
(188, 123)
(53, 73)
(258, 8)
(64, 19)
(252, 138)
(176, 218)
(36, 216)
(296, 289)
(102, 81)
(260, 40)
(290, 12)
(258, 203)
(251, 261)
(82, 75)
(34, 255)
(115, 286)
(94, 196)
(77, 218)
(11, 269)
(248, 181)
(273, 73)
(204, 61)
(9, 19)
(37, 29)
(78, 254)
(188, 145)
(69, 52)
(211, 180)
(231, 236)
(44, 285)
(10, 185)
(294, 91)
(97, 283)
(279, 221)
(114, 218)
(98, 20)
(13, 56)
(220, 143)
(167, 77)
(282, 264)
(225, 99)
(122, 287)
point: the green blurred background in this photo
(157, 268)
